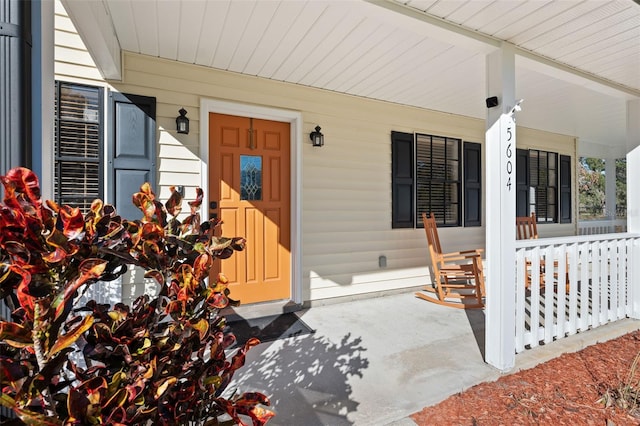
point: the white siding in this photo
(73, 62)
(346, 185)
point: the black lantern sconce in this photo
(182, 122)
(317, 138)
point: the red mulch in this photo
(563, 391)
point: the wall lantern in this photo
(317, 138)
(182, 122)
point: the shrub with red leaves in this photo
(164, 360)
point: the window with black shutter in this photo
(565, 189)
(78, 144)
(438, 178)
(543, 184)
(402, 182)
(428, 176)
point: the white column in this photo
(43, 98)
(500, 193)
(633, 196)
(633, 165)
(610, 187)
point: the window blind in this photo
(78, 145)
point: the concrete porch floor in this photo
(376, 361)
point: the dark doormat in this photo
(269, 328)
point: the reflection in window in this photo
(250, 177)
(438, 178)
(543, 185)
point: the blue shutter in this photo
(402, 180)
(131, 149)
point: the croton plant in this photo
(164, 360)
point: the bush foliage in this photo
(163, 360)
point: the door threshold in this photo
(257, 310)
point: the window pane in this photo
(78, 183)
(453, 149)
(438, 178)
(541, 203)
(451, 215)
(533, 168)
(78, 140)
(552, 178)
(77, 148)
(250, 177)
(452, 193)
(543, 185)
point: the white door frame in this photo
(294, 118)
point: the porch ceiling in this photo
(578, 61)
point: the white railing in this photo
(589, 282)
(593, 227)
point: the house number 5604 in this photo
(509, 153)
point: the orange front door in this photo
(249, 181)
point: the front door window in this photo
(251, 177)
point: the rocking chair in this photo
(458, 278)
(527, 229)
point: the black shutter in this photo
(15, 80)
(472, 184)
(131, 150)
(402, 181)
(565, 189)
(522, 182)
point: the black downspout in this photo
(15, 99)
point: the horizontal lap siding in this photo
(73, 63)
(346, 207)
(346, 185)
